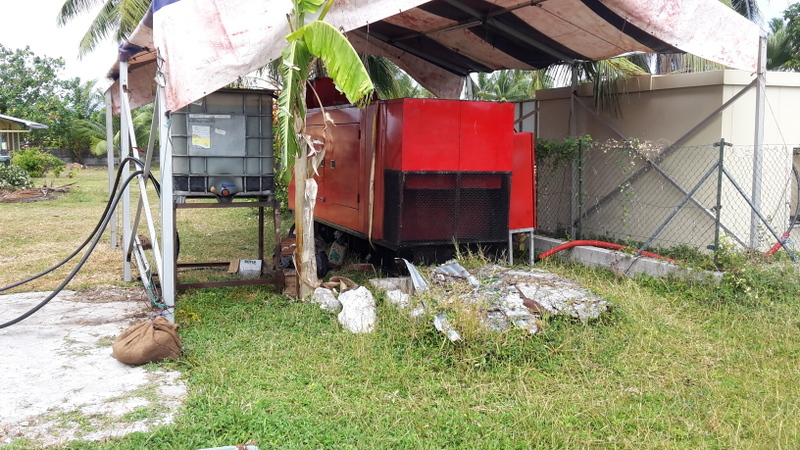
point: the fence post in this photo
(580, 189)
(721, 144)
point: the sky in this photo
(33, 23)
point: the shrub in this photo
(13, 177)
(37, 162)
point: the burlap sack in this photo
(147, 342)
(340, 283)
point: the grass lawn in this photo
(676, 365)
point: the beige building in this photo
(634, 194)
(11, 130)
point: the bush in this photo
(37, 162)
(13, 177)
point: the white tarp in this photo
(207, 44)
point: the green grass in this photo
(664, 370)
(675, 365)
(37, 235)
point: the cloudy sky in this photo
(33, 23)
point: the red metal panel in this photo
(430, 134)
(391, 134)
(326, 92)
(522, 213)
(486, 136)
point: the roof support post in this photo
(124, 152)
(574, 166)
(758, 144)
(167, 275)
(110, 160)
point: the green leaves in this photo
(339, 57)
(295, 60)
(314, 40)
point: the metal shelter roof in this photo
(204, 45)
(27, 123)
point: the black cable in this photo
(92, 233)
(80, 264)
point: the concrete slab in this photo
(620, 262)
(58, 381)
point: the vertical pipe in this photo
(110, 161)
(124, 152)
(573, 132)
(168, 234)
(721, 167)
(261, 233)
(758, 144)
(580, 190)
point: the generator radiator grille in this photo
(440, 207)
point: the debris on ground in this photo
(355, 305)
(35, 194)
(359, 313)
(503, 297)
(326, 300)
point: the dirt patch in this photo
(58, 378)
(34, 194)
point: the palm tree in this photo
(509, 85)
(779, 50)
(116, 18)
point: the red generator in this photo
(417, 176)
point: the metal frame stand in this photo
(511, 233)
(276, 275)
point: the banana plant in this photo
(309, 43)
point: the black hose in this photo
(92, 233)
(102, 227)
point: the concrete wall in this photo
(662, 109)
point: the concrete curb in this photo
(622, 263)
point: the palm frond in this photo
(105, 23)
(131, 13)
(72, 8)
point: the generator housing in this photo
(415, 173)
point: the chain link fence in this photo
(666, 198)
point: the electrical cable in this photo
(92, 233)
(102, 227)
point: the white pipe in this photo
(758, 144)
(124, 152)
(166, 273)
(110, 160)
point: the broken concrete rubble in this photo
(505, 298)
(513, 298)
(359, 313)
(326, 300)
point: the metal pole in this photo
(758, 144)
(760, 216)
(110, 161)
(168, 265)
(124, 152)
(573, 132)
(580, 190)
(718, 208)
(688, 196)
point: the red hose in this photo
(601, 244)
(778, 244)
